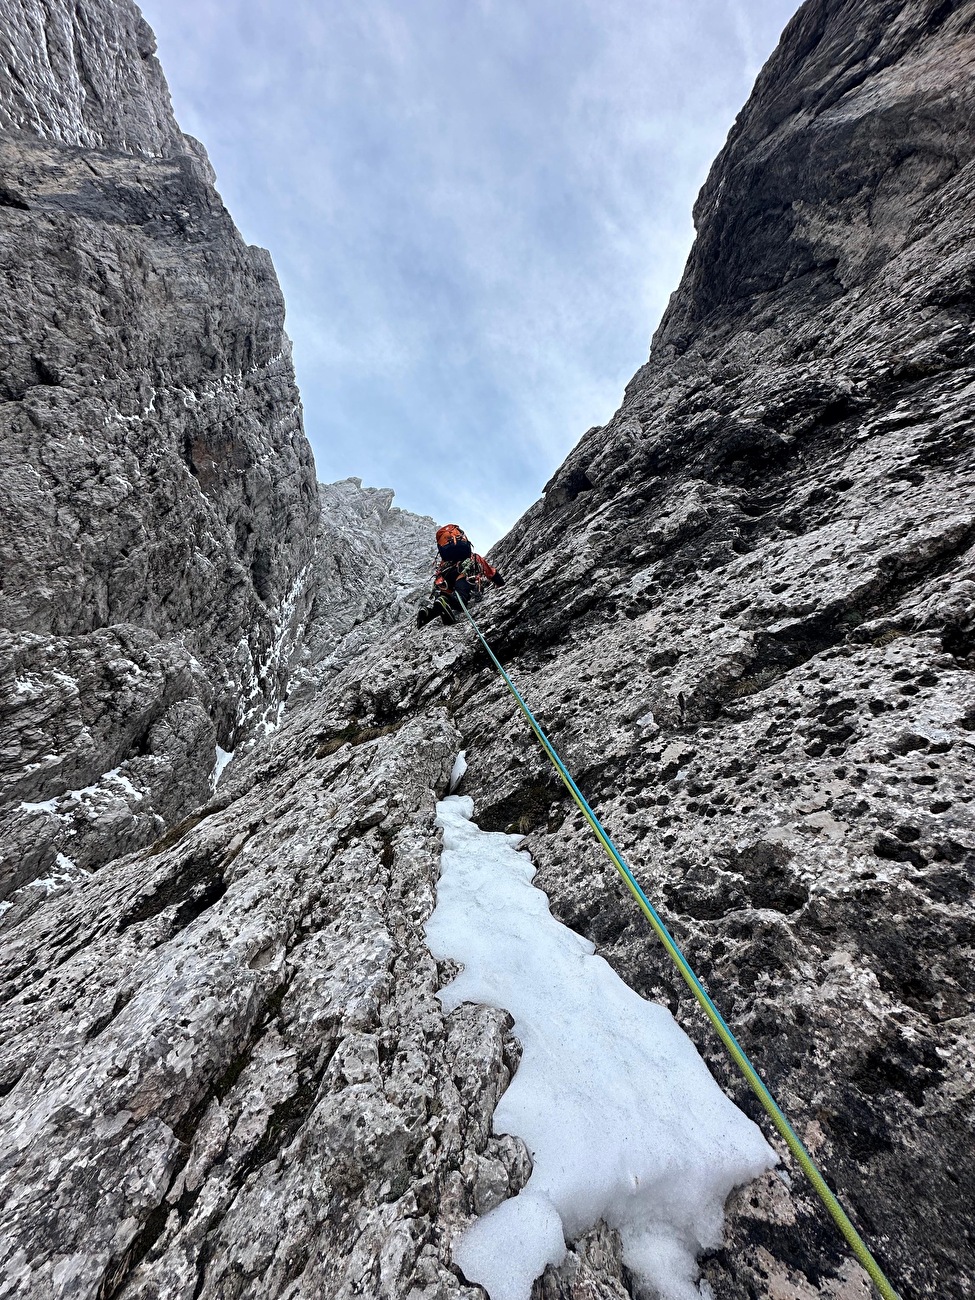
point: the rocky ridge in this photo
(159, 493)
(372, 567)
(745, 612)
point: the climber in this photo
(460, 572)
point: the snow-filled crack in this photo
(619, 1113)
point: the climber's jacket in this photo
(460, 566)
(461, 576)
(475, 569)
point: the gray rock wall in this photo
(752, 632)
(744, 611)
(86, 75)
(373, 565)
(159, 495)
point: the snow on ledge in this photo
(621, 1117)
(90, 795)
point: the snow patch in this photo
(87, 793)
(621, 1116)
(531, 1231)
(67, 873)
(458, 770)
(46, 805)
(116, 776)
(223, 758)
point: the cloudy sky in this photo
(477, 210)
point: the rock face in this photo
(373, 564)
(745, 611)
(753, 637)
(159, 494)
(86, 77)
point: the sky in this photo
(477, 210)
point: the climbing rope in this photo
(735, 1050)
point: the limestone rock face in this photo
(251, 1023)
(752, 634)
(159, 495)
(745, 612)
(85, 75)
(373, 565)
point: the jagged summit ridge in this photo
(373, 565)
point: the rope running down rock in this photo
(737, 1053)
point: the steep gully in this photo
(744, 610)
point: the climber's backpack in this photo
(452, 544)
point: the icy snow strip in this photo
(223, 758)
(458, 770)
(620, 1115)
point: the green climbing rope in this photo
(735, 1050)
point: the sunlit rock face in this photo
(159, 498)
(744, 609)
(373, 565)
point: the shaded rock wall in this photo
(159, 495)
(744, 609)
